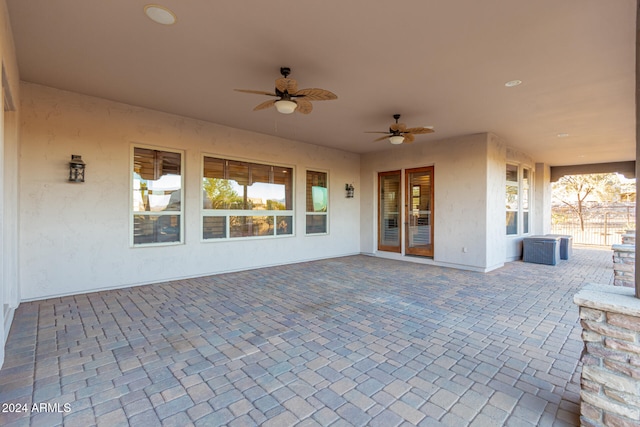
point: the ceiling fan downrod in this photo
(285, 71)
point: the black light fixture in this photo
(349, 189)
(76, 169)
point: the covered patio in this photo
(354, 340)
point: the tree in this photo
(574, 190)
(221, 194)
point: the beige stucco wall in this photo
(9, 286)
(543, 198)
(75, 237)
(469, 194)
(495, 194)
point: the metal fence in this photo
(604, 224)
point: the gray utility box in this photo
(541, 250)
(566, 245)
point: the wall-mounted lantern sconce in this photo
(349, 189)
(76, 169)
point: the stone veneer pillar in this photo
(629, 238)
(624, 261)
(624, 265)
(610, 382)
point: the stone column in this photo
(610, 382)
(624, 264)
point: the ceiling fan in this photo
(291, 99)
(399, 133)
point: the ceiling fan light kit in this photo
(285, 107)
(396, 139)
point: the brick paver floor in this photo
(348, 341)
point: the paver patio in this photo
(348, 341)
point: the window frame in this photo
(132, 213)
(310, 213)
(227, 213)
(521, 189)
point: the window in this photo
(518, 194)
(317, 202)
(243, 199)
(156, 196)
(524, 206)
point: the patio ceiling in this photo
(440, 63)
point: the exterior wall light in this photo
(76, 169)
(349, 189)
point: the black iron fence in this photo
(603, 224)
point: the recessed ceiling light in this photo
(160, 14)
(513, 83)
(563, 135)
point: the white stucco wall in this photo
(469, 192)
(75, 237)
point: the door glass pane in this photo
(419, 214)
(390, 210)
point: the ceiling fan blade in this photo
(373, 131)
(315, 94)
(287, 85)
(420, 130)
(381, 138)
(408, 138)
(398, 127)
(257, 92)
(304, 106)
(265, 105)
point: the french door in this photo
(415, 221)
(389, 202)
(419, 211)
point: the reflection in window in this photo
(512, 199)
(525, 200)
(157, 196)
(518, 193)
(317, 203)
(234, 190)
